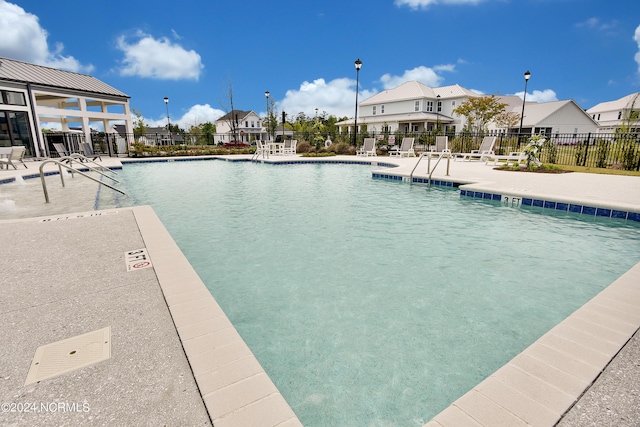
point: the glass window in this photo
(382, 109)
(439, 106)
(14, 98)
(417, 106)
(429, 106)
(374, 110)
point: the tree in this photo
(507, 120)
(203, 133)
(480, 112)
(231, 116)
(139, 127)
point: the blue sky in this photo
(303, 51)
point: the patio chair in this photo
(405, 149)
(87, 151)
(262, 149)
(61, 150)
(514, 157)
(13, 154)
(289, 147)
(368, 148)
(482, 153)
(441, 148)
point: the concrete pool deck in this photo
(68, 276)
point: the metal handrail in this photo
(72, 170)
(84, 159)
(429, 170)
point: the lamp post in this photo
(527, 75)
(437, 113)
(166, 103)
(358, 65)
(266, 95)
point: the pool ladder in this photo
(69, 166)
(429, 170)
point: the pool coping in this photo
(537, 387)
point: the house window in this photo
(416, 106)
(598, 116)
(429, 106)
(382, 109)
(619, 115)
(453, 104)
(439, 106)
(246, 124)
(414, 128)
(374, 110)
(12, 98)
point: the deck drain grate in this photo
(70, 354)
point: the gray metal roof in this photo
(23, 72)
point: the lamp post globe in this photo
(527, 76)
(358, 65)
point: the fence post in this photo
(586, 150)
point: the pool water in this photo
(371, 302)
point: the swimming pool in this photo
(374, 303)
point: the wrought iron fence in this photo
(598, 150)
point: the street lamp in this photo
(166, 103)
(266, 95)
(527, 75)
(358, 65)
(438, 114)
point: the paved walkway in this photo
(176, 360)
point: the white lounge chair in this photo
(441, 148)
(121, 144)
(482, 153)
(515, 158)
(405, 149)
(289, 147)
(13, 154)
(368, 148)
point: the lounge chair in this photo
(87, 151)
(13, 154)
(441, 148)
(482, 153)
(515, 158)
(368, 148)
(405, 149)
(61, 150)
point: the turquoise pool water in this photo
(371, 302)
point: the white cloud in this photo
(546, 95)
(337, 97)
(158, 58)
(422, 74)
(25, 40)
(636, 37)
(196, 115)
(596, 24)
(424, 4)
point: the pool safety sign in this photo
(137, 260)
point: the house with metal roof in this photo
(611, 114)
(31, 95)
(411, 107)
(548, 118)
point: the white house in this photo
(411, 107)
(549, 118)
(415, 107)
(610, 114)
(247, 125)
(33, 94)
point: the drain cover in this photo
(68, 355)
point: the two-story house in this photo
(611, 114)
(411, 107)
(240, 126)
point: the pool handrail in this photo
(73, 170)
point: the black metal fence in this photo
(597, 150)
